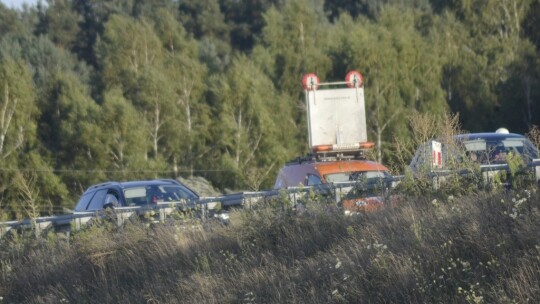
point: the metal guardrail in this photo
(487, 172)
(248, 199)
(162, 211)
(77, 220)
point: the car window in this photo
(98, 200)
(354, 176)
(279, 182)
(313, 180)
(111, 199)
(475, 145)
(135, 196)
(157, 193)
(498, 150)
(175, 193)
(83, 202)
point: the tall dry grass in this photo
(423, 127)
(482, 248)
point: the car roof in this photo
(487, 136)
(133, 184)
(347, 166)
(328, 167)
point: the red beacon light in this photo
(310, 82)
(354, 79)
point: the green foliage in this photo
(127, 48)
(77, 128)
(60, 23)
(173, 35)
(297, 38)
(203, 18)
(205, 21)
(18, 140)
(486, 39)
(247, 107)
(18, 108)
(245, 20)
(14, 23)
(126, 144)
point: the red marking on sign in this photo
(354, 79)
(310, 81)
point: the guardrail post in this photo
(37, 229)
(162, 215)
(204, 211)
(435, 182)
(120, 219)
(337, 195)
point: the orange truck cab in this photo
(338, 139)
(365, 182)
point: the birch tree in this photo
(132, 59)
(246, 130)
(19, 147)
(186, 76)
(126, 141)
(17, 122)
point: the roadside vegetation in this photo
(213, 90)
(481, 247)
(95, 90)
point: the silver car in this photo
(491, 152)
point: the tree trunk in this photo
(238, 137)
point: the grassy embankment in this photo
(479, 248)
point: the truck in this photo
(338, 143)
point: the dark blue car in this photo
(135, 193)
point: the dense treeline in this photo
(103, 90)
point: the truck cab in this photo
(361, 185)
(312, 172)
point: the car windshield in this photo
(368, 183)
(354, 176)
(496, 150)
(156, 193)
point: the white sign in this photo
(336, 116)
(436, 155)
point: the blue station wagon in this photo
(135, 193)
